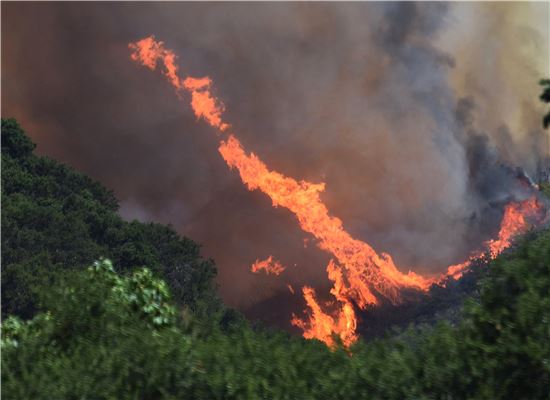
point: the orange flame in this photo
(268, 265)
(324, 327)
(366, 271)
(514, 222)
(359, 273)
(203, 103)
(148, 52)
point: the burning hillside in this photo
(360, 274)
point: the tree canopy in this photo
(107, 336)
(56, 219)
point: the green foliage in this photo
(511, 323)
(101, 338)
(80, 299)
(14, 143)
(140, 292)
(55, 219)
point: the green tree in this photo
(102, 335)
(109, 336)
(55, 219)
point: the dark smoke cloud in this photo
(356, 95)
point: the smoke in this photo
(501, 75)
(415, 116)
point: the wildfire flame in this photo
(325, 327)
(269, 266)
(366, 271)
(149, 52)
(358, 272)
(514, 222)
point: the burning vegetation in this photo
(269, 266)
(514, 222)
(361, 276)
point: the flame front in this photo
(358, 272)
(366, 271)
(514, 222)
(325, 327)
(269, 266)
(149, 52)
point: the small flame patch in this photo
(269, 266)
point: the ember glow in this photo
(269, 266)
(360, 275)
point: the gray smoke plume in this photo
(358, 95)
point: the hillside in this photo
(55, 219)
(96, 307)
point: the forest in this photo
(95, 307)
